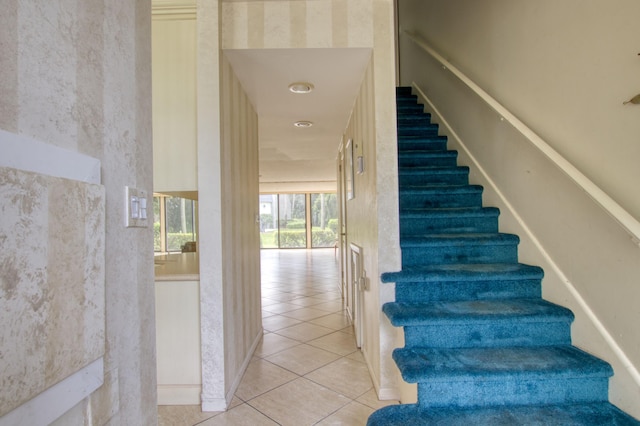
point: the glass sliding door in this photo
(324, 220)
(269, 235)
(286, 221)
(292, 220)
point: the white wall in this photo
(174, 103)
(564, 70)
(178, 341)
(77, 75)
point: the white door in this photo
(357, 285)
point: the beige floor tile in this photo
(304, 332)
(272, 343)
(266, 314)
(298, 403)
(328, 295)
(277, 322)
(282, 297)
(331, 306)
(338, 342)
(353, 414)
(262, 376)
(336, 321)
(345, 376)
(357, 356)
(181, 415)
(305, 314)
(281, 307)
(235, 401)
(348, 330)
(302, 359)
(242, 415)
(370, 399)
(306, 301)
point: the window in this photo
(174, 223)
(298, 220)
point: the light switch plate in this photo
(136, 214)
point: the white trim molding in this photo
(58, 399)
(24, 153)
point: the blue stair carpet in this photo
(482, 345)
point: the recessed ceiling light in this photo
(303, 124)
(301, 87)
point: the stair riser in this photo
(444, 225)
(439, 200)
(424, 144)
(482, 334)
(412, 116)
(459, 254)
(409, 109)
(419, 292)
(426, 160)
(407, 177)
(408, 102)
(552, 390)
(424, 130)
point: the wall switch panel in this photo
(135, 208)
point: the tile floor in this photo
(307, 370)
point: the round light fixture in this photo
(303, 124)
(300, 87)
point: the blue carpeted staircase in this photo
(480, 342)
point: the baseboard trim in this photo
(384, 394)
(243, 368)
(179, 394)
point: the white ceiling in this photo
(287, 153)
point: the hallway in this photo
(307, 370)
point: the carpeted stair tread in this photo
(468, 272)
(414, 108)
(480, 342)
(427, 157)
(522, 363)
(440, 196)
(421, 221)
(454, 312)
(419, 130)
(430, 213)
(430, 240)
(434, 169)
(460, 248)
(436, 143)
(585, 414)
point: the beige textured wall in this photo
(228, 204)
(241, 237)
(76, 74)
(281, 24)
(295, 24)
(566, 78)
(51, 281)
(346, 23)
